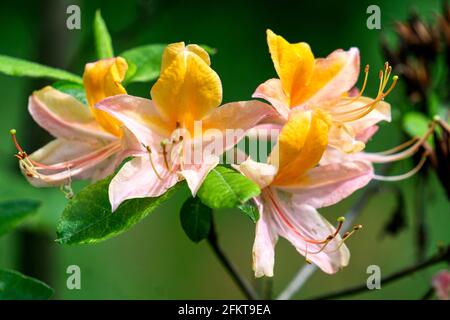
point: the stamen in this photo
(399, 147)
(358, 113)
(13, 135)
(380, 158)
(164, 151)
(359, 95)
(405, 175)
(341, 221)
(149, 151)
(346, 236)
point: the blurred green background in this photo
(155, 260)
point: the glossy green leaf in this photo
(22, 68)
(76, 90)
(250, 210)
(103, 43)
(13, 213)
(195, 219)
(144, 62)
(226, 188)
(87, 217)
(16, 286)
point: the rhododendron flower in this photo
(89, 143)
(307, 83)
(187, 93)
(293, 187)
(441, 283)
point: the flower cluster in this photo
(320, 119)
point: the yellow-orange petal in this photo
(103, 79)
(187, 88)
(294, 63)
(300, 146)
(332, 77)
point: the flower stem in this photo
(241, 282)
(441, 256)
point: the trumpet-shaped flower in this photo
(308, 83)
(89, 143)
(293, 187)
(182, 130)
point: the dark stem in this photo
(421, 228)
(442, 256)
(241, 282)
(429, 294)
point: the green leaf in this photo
(416, 124)
(144, 62)
(211, 51)
(76, 90)
(12, 213)
(87, 217)
(195, 219)
(250, 210)
(103, 44)
(22, 68)
(226, 188)
(16, 286)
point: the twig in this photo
(441, 256)
(242, 283)
(308, 270)
(429, 294)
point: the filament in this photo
(405, 175)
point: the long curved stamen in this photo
(294, 229)
(345, 237)
(363, 88)
(405, 175)
(366, 109)
(380, 158)
(35, 169)
(150, 158)
(398, 148)
(358, 113)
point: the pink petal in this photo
(343, 81)
(326, 185)
(137, 179)
(64, 116)
(232, 121)
(298, 222)
(139, 115)
(441, 283)
(264, 245)
(367, 134)
(196, 174)
(59, 151)
(272, 91)
(260, 173)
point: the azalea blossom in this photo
(89, 143)
(309, 83)
(328, 84)
(293, 187)
(186, 96)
